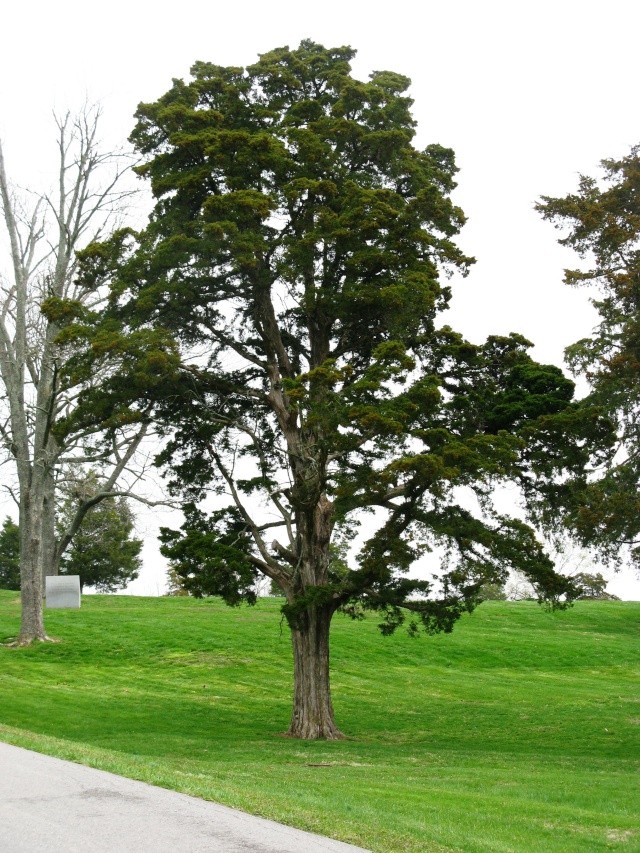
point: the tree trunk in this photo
(312, 716)
(31, 589)
(50, 561)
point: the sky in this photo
(528, 94)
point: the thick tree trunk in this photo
(31, 586)
(312, 716)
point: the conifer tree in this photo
(280, 311)
(601, 222)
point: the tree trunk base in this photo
(310, 732)
(23, 642)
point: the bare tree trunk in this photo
(31, 589)
(42, 251)
(50, 561)
(312, 716)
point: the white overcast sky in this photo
(528, 94)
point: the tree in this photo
(9, 555)
(593, 586)
(602, 224)
(36, 428)
(283, 300)
(175, 584)
(103, 552)
(576, 563)
(493, 591)
(518, 588)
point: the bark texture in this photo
(42, 257)
(31, 583)
(312, 716)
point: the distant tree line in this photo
(590, 587)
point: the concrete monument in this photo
(63, 591)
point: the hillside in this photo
(518, 732)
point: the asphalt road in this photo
(55, 806)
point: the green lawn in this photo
(518, 732)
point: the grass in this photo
(518, 732)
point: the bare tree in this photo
(42, 239)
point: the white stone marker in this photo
(63, 591)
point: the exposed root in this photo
(24, 642)
(333, 734)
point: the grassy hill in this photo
(518, 732)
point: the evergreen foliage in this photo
(593, 586)
(280, 312)
(9, 555)
(601, 222)
(103, 551)
(493, 592)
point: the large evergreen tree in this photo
(280, 311)
(601, 222)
